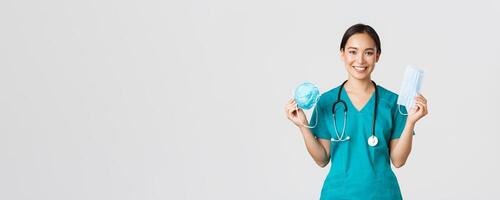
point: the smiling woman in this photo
(360, 50)
(376, 133)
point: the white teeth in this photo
(360, 68)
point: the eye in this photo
(352, 52)
(369, 53)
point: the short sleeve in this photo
(320, 126)
(398, 121)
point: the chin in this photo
(360, 76)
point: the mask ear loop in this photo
(315, 111)
(399, 109)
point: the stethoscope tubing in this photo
(340, 138)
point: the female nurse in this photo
(359, 169)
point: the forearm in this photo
(401, 151)
(315, 148)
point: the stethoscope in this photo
(372, 140)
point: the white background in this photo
(179, 99)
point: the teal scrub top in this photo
(357, 170)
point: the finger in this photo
(420, 96)
(287, 105)
(421, 106)
(416, 108)
(423, 99)
(293, 115)
(291, 109)
(413, 109)
(291, 102)
(288, 112)
(424, 108)
(420, 101)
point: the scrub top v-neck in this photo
(357, 170)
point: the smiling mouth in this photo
(360, 68)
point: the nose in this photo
(360, 59)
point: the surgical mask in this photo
(410, 87)
(306, 95)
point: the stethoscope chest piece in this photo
(372, 141)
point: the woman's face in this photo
(360, 55)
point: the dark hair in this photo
(361, 28)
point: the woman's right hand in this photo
(295, 114)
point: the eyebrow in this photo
(357, 48)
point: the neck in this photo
(364, 85)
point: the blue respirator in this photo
(306, 95)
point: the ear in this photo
(341, 55)
(378, 57)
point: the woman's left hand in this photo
(419, 110)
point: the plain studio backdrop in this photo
(179, 99)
